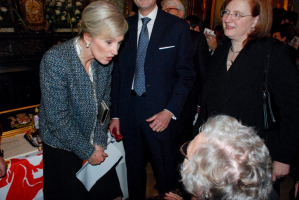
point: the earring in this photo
(252, 29)
(87, 45)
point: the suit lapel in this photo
(156, 35)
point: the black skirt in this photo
(60, 181)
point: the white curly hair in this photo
(232, 163)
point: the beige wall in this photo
(215, 16)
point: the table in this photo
(24, 179)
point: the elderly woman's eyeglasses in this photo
(183, 149)
(169, 9)
(235, 16)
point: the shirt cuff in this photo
(173, 117)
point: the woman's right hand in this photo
(98, 156)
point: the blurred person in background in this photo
(288, 34)
(195, 23)
(174, 7)
(216, 39)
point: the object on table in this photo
(33, 138)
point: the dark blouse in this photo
(237, 93)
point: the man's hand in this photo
(3, 167)
(280, 170)
(160, 121)
(98, 156)
(114, 125)
(212, 42)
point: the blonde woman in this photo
(75, 77)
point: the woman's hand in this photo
(98, 156)
(172, 196)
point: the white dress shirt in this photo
(150, 24)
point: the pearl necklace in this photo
(230, 62)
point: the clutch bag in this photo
(103, 113)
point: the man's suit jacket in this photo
(201, 59)
(237, 93)
(169, 73)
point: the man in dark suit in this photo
(201, 60)
(148, 117)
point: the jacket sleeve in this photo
(185, 72)
(283, 83)
(54, 84)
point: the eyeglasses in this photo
(169, 9)
(235, 16)
(183, 149)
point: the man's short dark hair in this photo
(194, 21)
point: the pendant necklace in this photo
(230, 62)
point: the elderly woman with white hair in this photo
(227, 160)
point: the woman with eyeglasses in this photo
(237, 73)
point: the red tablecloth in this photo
(24, 178)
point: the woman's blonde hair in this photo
(102, 18)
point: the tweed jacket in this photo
(69, 104)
